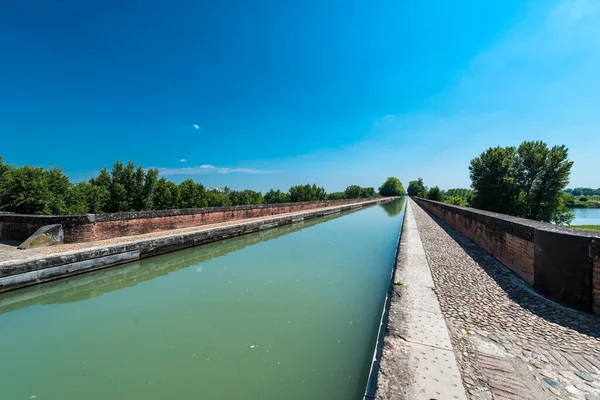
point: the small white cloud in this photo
(183, 160)
(196, 126)
(210, 169)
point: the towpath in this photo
(510, 342)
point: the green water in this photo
(288, 313)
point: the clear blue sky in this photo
(259, 94)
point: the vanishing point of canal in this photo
(287, 313)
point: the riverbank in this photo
(595, 228)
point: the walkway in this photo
(511, 343)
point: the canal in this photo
(286, 313)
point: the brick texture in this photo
(85, 228)
(513, 251)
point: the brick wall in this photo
(562, 263)
(84, 228)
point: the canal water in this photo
(287, 313)
(586, 216)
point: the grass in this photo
(592, 202)
(398, 283)
(595, 228)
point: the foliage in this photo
(127, 187)
(526, 181)
(417, 188)
(583, 192)
(336, 196)
(595, 228)
(456, 200)
(583, 199)
(192, 195)
(307, 193)
(357, 192)
(165, 195)
(243, 197)
(392, 187)
(276, 196)
(435, 194)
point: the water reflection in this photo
(94, 284)
(393, 208)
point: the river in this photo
(586, 216)
(287, 313)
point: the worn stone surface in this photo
(418, 361)
(47, 235)
(510, 341)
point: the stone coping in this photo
(520, 227)
(122, 216)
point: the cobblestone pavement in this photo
(511, 343)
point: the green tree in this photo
(192, 195)
(417, 188)
(527, 181)
(276, 196)
(435, 194)
(392, 187)
(457, 201)
(353, 192)
(307, 193)
(165, 195)
(217, 198)
(368, 193)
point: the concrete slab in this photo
(418, 360)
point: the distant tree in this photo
(276, 196)
(336, 196)
(244, 197)
(435, 194)
(192, 195)
(353, 192)
(217, 198)
(456, 200)
(369, 193)
(307, 193)
(165, 195)
(527, 181)
(392, 187)
(417, 188)
(583, 199)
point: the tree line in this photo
(583, 192)
(127, 187)
(527, 181)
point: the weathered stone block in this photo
(47, 235)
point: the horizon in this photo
(270, 95)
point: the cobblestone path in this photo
(511, 343)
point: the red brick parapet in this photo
(562, 263)
(92, 227)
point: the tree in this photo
(192, 195)
(353, 192)
(527, 181)
(217, 198)
(307, 193)
(435, 194)
(165, 195)
(33, 190)
(392, 187)
(369, 193)
(336, 196)
(457, 201)
(276, 196)
(417, 188)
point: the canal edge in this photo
(18, 273)
(417, 359)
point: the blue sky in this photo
(272, 93)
